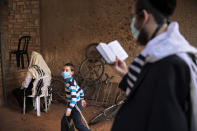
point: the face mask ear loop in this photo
(141, 26)
(134, 30)
(158, 28)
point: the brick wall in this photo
(22, 17)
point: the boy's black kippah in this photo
(166, 7)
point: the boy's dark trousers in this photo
(76, 119)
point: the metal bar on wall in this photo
(2, 59)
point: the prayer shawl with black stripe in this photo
(168, 43)
(40, 72)
(40, 82)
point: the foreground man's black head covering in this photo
(165, 7)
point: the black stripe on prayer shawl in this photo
(131, 85)
(134, 78)
(40, 71)
(139, 61)
(131, 79)
(40, 84)
(43, 73)
(137, 64)
(37, 69)
(135, 70)
(141, 57)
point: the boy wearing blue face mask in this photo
(74, 97)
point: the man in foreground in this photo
(161, 82)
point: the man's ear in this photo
(146, 16)
(72, 72)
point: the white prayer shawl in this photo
(169, 43)
(37, 59)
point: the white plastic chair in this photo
(36, 101)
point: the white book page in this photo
(118, 50)
(106, 52)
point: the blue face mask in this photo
(134, 31)
(65, 75)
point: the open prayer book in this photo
(111, 50)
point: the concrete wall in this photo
(186, 15)
(67, 27)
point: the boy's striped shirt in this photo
(73, 93)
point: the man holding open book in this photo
(161, 82)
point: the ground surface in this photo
(12, 120)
